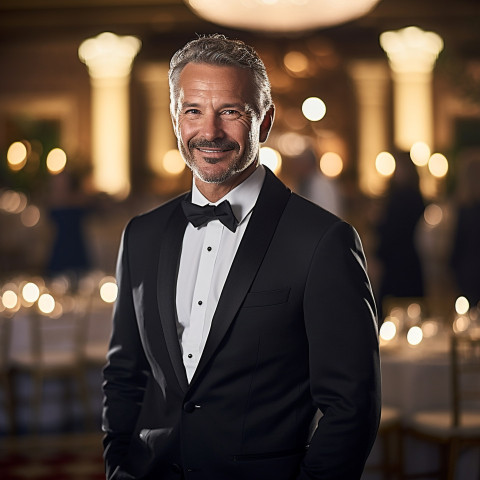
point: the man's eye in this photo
(191, 111)
(231, 113)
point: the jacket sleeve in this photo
(125, 374)
(341, 325)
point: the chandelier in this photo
(280, 15)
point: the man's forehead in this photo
(223, 79)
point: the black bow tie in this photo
(198, 215)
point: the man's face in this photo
(217, 129)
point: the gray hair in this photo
(219, 50)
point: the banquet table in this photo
(416, 378)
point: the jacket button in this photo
(176, 468)
(189, 407)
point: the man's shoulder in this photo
(306, 208)
(156, 217)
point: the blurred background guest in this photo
(465, 258)
(314, 185)
(401, 269)
(68, 208)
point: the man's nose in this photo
(211, 127)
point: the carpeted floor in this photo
(52, 457)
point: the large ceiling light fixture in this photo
(280, 15)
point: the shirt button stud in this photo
(209, 249)
(189, 355)
(200, 302)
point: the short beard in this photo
(239, 166)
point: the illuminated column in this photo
(412, 54)
(371, 81)
(109, 60)
(160, 136)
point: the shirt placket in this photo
(203, 284)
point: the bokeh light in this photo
(296, 62)
(30, 292)
(414, 335)
(30, 216)
(462, 305)
(271, 158)
(331, 164)
(314, 109)
(438, 165)
(56, 161)
(9, 299)
(385, 164)
(420, 153)
(46, 303)
(108, 289)
(461, 324)
(388, 330)
(173, 162)
(17, 155)
(433, 214)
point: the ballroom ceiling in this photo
(172, 21)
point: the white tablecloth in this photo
(416, 378)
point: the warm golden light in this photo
(271, 158)
(314, 109)
(433, 215)
(13, 202)
(388, 330)
(414, 335)
(385, 164)
(109, 59)
(438, 165)
(462, 305)
(173, 162)
(109, 55)
(412, 54)
(429, 329)
(30, 292)
(296, 62)
(414, 310)
(17, 155)
(30, 216)
(108, 290)
(420, 153)
(292, 144)
(461, 324)
(56, 161)
(411, 48)
(46, 303)
(331, 164)
(280, 15)
(9, 299)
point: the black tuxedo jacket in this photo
(294, 333)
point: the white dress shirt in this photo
(207, 255)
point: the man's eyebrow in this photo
(189, 104)
(237, 105)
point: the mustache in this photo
(219, 144)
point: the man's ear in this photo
(266, 124)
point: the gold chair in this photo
(56, 352)
(457, 428)
(6, 379)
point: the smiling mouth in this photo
(213, 150)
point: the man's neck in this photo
(215, 191)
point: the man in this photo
(233, 336)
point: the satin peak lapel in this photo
(258, 235)
(166, 289)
